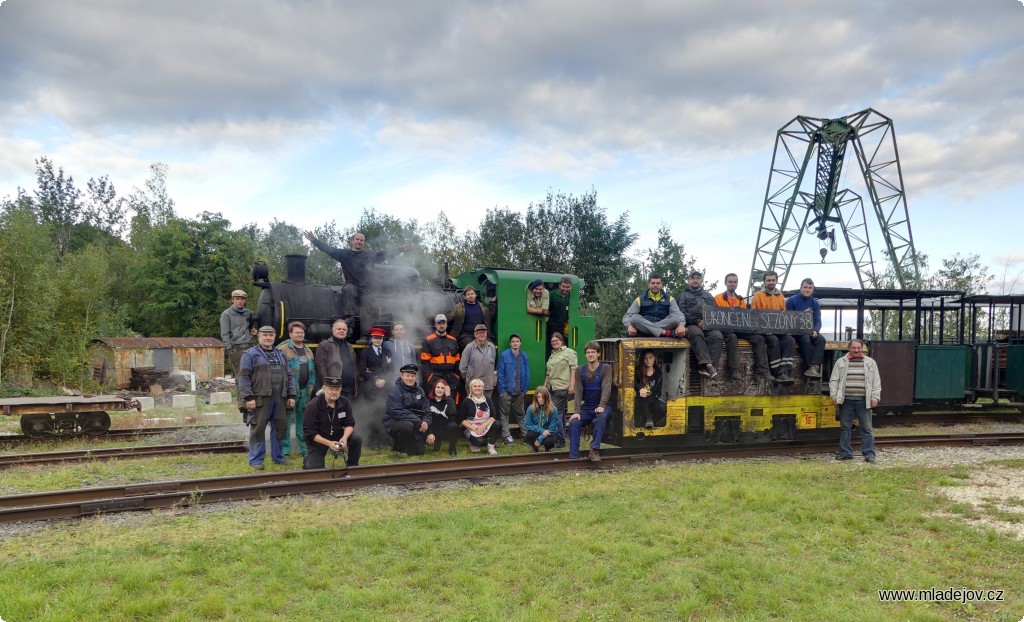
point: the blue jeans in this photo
(600, 421)
(850, 408)
(270, 415)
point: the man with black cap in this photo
(538, 299)
(265, 381)
(439, 356)
(478, 360)
(237, 329)
(707, 345)
(406, 415)
(330, 426)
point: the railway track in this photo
(111, 453)
(71, 504)
(945, 418)
(11, 440)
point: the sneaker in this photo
(474, 449)
(735, 376)
(491, 450)
(559, 444)
(402, 455)
(535, 449)
(785, 379)
(666, 333)
(870, 459)
(842, 457)
(649, 424)
(705, 370)
(595, 455)
(813, 372)
(451, 452)
(712, 372)
(509, 440)
(256, 467)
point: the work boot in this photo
(735, 376)
(785, 379)
(813, 372)
(595, 455)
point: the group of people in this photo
(656, 313)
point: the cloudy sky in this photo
(308, 111)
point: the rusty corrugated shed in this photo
(161, 342)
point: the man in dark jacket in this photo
(374, 365)
(707, 345)
(267, 388)
(328, 425)
(335, 358)
(406, 416)
(467, 315)
(812, 347)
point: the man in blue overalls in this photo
(596, 380)
(265, 382)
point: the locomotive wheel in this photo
(36, 425)
(94, 423)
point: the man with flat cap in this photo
(328, 425)
(237, 329)
(407, 414)
(478, 360)
(439, 356)
(267, 387)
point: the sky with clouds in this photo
(308, 111)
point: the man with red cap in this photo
(375, 365)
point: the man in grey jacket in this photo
(237, 329)
(478, 361)
(854, 384)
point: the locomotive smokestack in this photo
(296, 268)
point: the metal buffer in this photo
(783, 225)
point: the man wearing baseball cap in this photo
(237, 329)
(439, 356)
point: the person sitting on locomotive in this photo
(654, 313)
(300, 360)
(649, 404)
(558, 379)
(267, 388)
(812, 347)
(729, 298)
(513, 383)
(443, 423)
(374, 365)
(706, 345)
(593, 383)
(329, 425)
(356, 265)
(780, 346)
(406, 415)
(439, 356)
(469, 313)
(479, 361)
(335, 358)
(237, 329)
(542, 421)
(558, 321)
(401, 350)
(476, 415)
(538, 302)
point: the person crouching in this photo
(406, 414)
(328, 425)
(476, 415)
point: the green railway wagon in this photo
(508, 288)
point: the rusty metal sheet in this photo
(160, 342)
(896, 364)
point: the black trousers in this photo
(316, 457)
(651, 407)
(732, 354)
(408, 437)
(780, 353)
(707, 345)
(812, 349)
(547, 442)
(444, 430)
(490, 438)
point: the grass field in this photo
(755, 540)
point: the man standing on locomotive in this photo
(236, 329)
(855, 383)
(300, 360)
(264, 383)
(330, 426)
(558, 307)
(469, 313)
(356, 265)
(335, 358)
(655, 313)
(593, 383)
(439, 356)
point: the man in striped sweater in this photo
(854, 385)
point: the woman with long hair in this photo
(558, 379)
(649, 404)
(542, 421)
(443, 424)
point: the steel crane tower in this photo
(789, 211)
